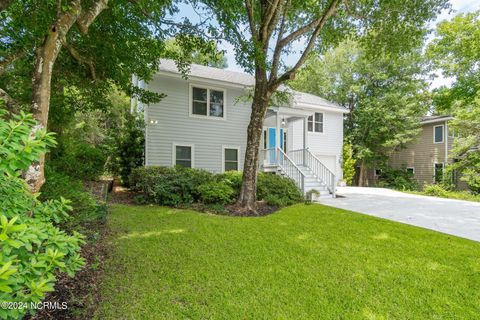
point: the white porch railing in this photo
(306, 158)
(277, 157)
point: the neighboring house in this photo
(202, 123)
(427, 155)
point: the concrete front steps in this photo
(311, 182)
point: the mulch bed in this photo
(262, 209)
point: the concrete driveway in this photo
(455, 217)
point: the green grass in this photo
(304, 262)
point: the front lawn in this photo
(304, 262)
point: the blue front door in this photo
(271, 145)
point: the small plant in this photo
(309, 195)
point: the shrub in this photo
(216, 193)
(233, 179)
(169, 186)
(81, 161)
(85, 207)
(127, 147)
(397, 179)
(278, 191)
(348, 162)
(34, 250)
(435, 190)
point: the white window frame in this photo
(313, 123)
(375, 172)
(223, 155)
(443, 134)
(208, 88)
(413, 169)
(174, 152)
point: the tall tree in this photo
(90, 44)
(386, 96)
(264, 32)
(455, 51)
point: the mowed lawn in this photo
(304, 262)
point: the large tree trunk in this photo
(46, 55)
(248, 192)
(362, 177)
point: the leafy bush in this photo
(233, 179)
(34, 250)
(182, 186)
(278, 191)
(348, 163)
(397, 179)
(81, 161)
(127, 147)
(438, 190)
(85, 207)
(169, 186)
(216, 192)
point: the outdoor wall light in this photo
(153, 121)
(283, 121)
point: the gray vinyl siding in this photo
(326, 145)
(176, 126)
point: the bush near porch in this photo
(180, 186)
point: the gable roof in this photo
(242, 79)
(434, 119)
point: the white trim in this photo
(174, 152)
(208, 88)
(314, 107)
(223, 155)
(201, 79)
(443, 134)
(313, 124)
(413, 169)
(436, 120)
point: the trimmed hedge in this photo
(180, 186)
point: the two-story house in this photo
(202, 123)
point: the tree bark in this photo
(248, 191)
(362, 175)
(45, 58)
(46, 55)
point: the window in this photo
(438, 134)
(284, 140)
(378, 172)
(230, 159)
(207, 102)
(438, 173)
(183, 156)
(411, 170)
(317, 125)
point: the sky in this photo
(458, 6)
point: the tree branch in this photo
(11, 59)
(12, 104)
(278, 49)
(251, 18)
(311, 42)
(87, 17)
(269, 21)
(82, 60)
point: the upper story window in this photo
(438, 134)
(207, 102)
(315, 122)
